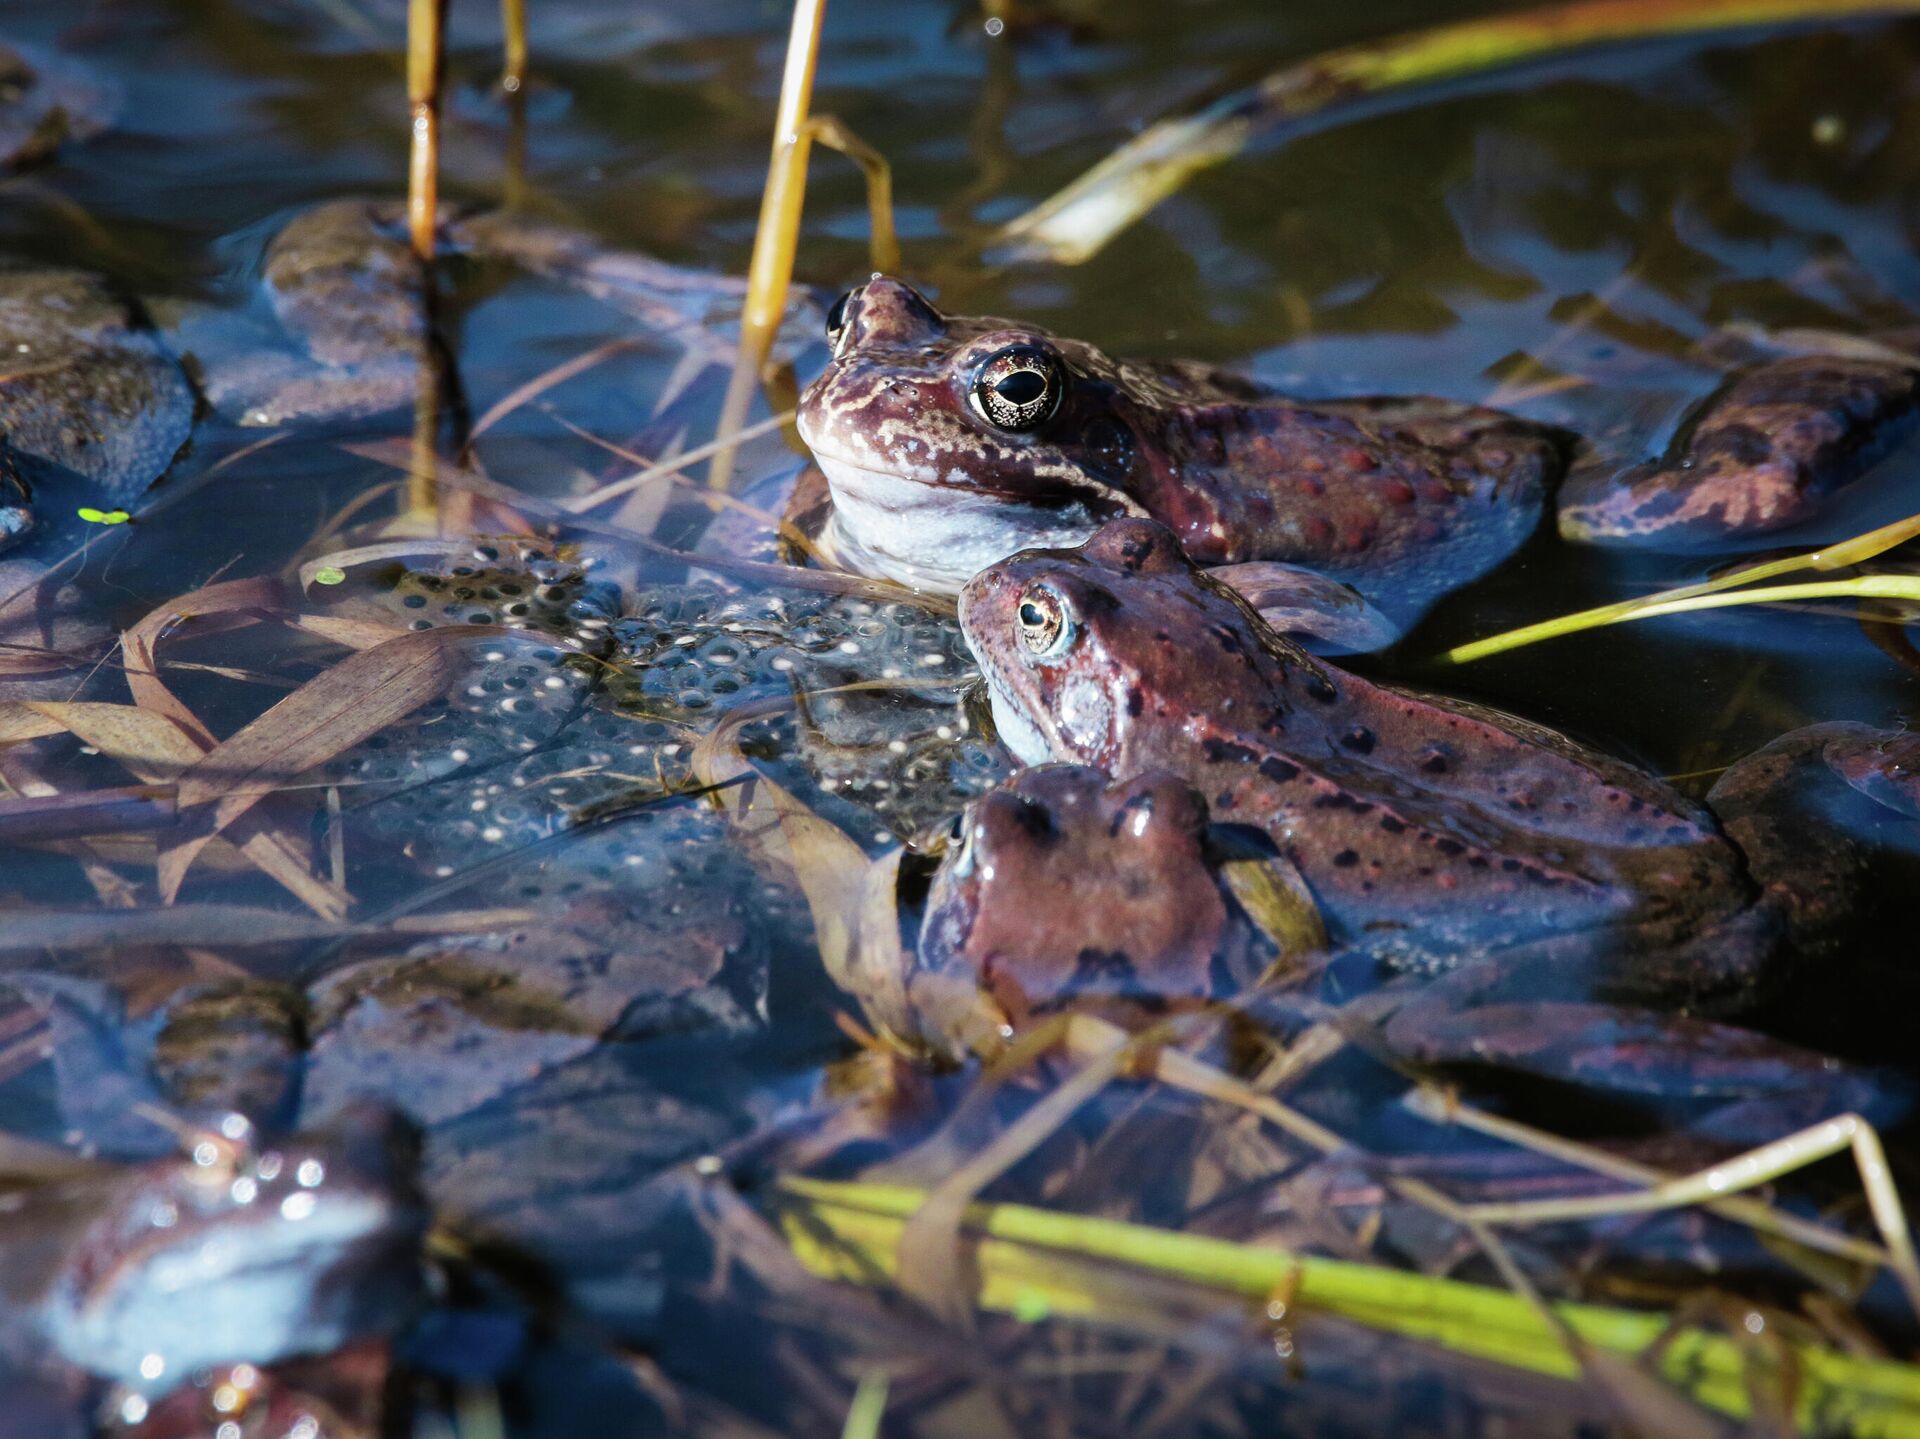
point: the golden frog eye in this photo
(837, 320)
(1017, 389)
(1046, 628)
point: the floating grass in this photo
(1725, 590)
(1042, 1264)
(1076, 223)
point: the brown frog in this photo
(1760, 455)
(1004, 912)
(950, 442)
(291, 1247)
(344, 332)
(1431, 832)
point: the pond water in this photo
(508, 877)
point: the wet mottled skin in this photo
(950, 442)
(1757, 457)
(1065, 883)
(1430, 831)
(286, 1247)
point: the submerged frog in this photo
(344, 332)
(292, 1247)
(1004, 911)
(1431, 832)
(951, 442)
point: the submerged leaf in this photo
(1074, 224)
(335, 710)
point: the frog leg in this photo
(1320, 613)
(1778, 805)
(1762, 454)
(1601, 1012)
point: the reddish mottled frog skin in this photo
(1431, 832)
(951, 442)
(1759, 456)
(1067, 884)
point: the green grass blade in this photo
(869, 1407)
(1881, 587)
(1038, 1263)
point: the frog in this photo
(1763, 453)
(95, 407)
(338, 329)
(1003, 912)
(949, 442)
(278, 1247)
(1441, 840)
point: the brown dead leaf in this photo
(152, 745)
(341, 630)
(19, 722)
(140, 643)
(357, 698)
(157, 750)
(830, 868)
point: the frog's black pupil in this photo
(1030, 615)
(837, 316)
(1022, 387)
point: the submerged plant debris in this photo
(528, 907)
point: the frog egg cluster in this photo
(537, 740)
(887, 760)
(512, 694)
(513, 583)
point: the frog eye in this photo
(1017, 389)
(837, 319)
(1046, 625)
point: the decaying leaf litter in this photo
(289, 782)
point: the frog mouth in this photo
(937, 535)
(1018, 731)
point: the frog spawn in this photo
(536, 739)
(893, 759)
(515, 691)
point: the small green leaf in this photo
(328, 575)
(1030, 1306)
(103, 517)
